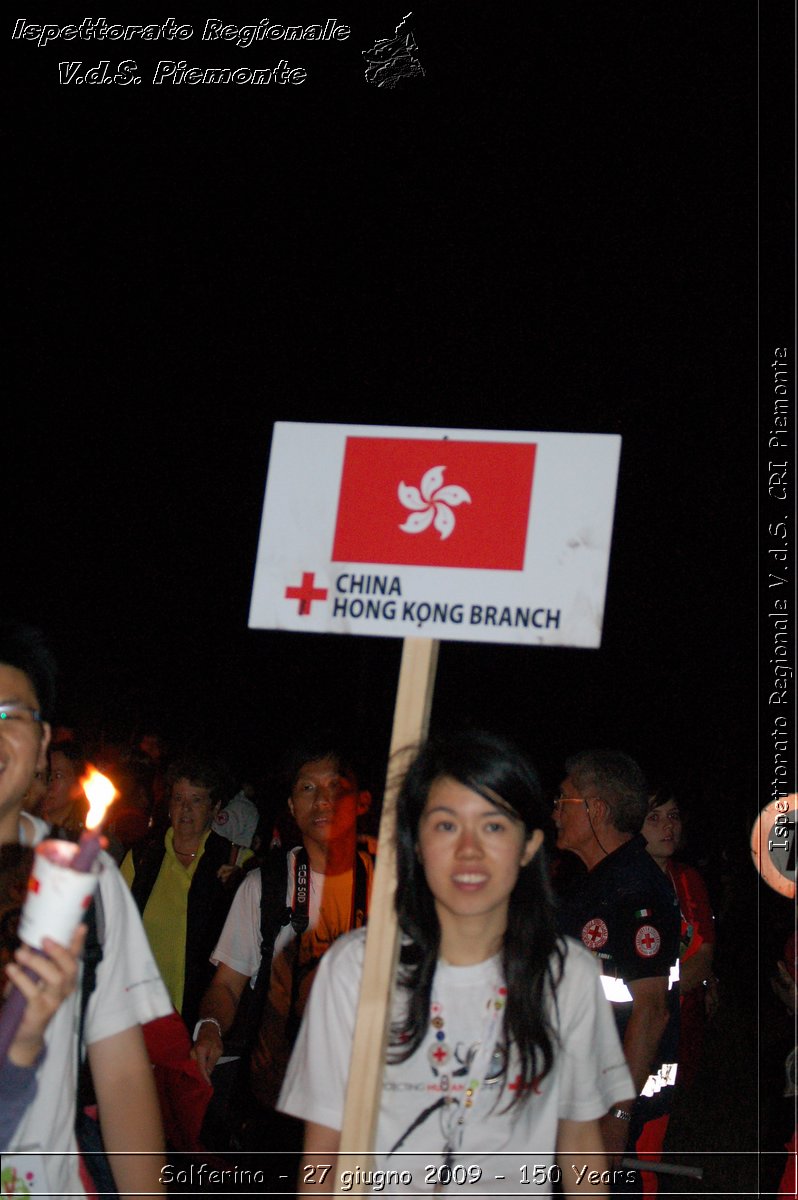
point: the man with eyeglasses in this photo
(128, 990)
(626, 913)
(283, 919)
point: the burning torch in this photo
(60, 889)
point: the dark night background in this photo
(554, 229)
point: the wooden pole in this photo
(410, 724)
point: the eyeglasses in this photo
(560, 800)
(23, 713)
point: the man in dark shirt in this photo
(625, 911)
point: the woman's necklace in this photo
(484, 1064)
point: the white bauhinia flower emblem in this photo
(432, 504)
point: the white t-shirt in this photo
(589, 1075)
(128, 991)
(329, 915)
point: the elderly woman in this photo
(177, 882)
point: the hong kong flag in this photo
(434, 503)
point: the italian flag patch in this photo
(643, 912)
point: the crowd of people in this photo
(552, 987)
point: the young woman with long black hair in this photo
(503, 1053)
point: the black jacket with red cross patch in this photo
(627, 913)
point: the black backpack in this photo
(233, 1104)
(275, 914)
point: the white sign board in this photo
(454, 534)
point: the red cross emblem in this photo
(595, 933)
(647, 941)
(306, 593)
(440, 1054)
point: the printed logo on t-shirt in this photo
(595, 933)
(647, 941)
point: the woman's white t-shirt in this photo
(502, 1150)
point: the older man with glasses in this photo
(627, 914)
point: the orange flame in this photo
(99, 793)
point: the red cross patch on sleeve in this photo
(595, 933)
(647, 941)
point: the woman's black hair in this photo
(663, 793)
(493, 767)
(23, 647)
(73, 751)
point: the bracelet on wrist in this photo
(622, 1114)
(207, 1021)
